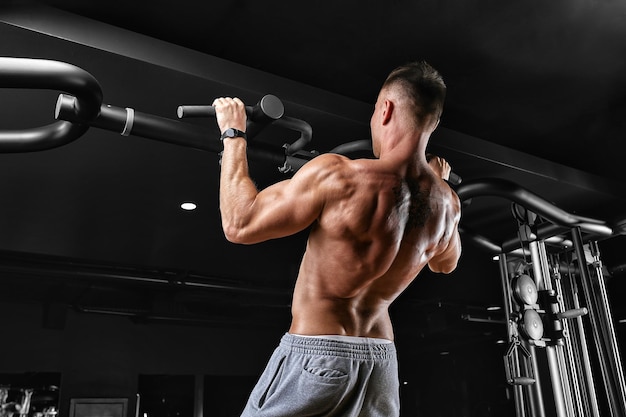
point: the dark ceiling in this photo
(536, 95)
(544, 78)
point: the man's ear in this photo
(388, 108)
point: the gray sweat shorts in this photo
(322, 377)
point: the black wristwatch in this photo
(233, 133)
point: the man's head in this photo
(423, 88)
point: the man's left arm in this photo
(446, 261)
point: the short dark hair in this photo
(423, 85)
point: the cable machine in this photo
(563, 358)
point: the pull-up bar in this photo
(83, 108)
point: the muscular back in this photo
(375, 233)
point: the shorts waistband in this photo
(365, 349)
(349, 339)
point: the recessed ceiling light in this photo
(494, 308)
(188, 205)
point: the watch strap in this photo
(233, 133)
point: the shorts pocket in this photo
(322, 388)
(324, 374)
(271, 385)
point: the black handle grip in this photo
(201, 111)
(195, 111)
(267, 109)
(454, 178)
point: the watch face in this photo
(233, 133)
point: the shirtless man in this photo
(375, 223)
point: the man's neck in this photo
(405, 152)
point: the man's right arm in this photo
(282, 209)
(252, 216)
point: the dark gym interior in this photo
(109, 289)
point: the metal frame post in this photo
(581, 362)
(572, 349)
(602, 327)
(612, 343)
(542, 278)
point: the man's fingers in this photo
(218, 102)
(230, 113)
(228, 100)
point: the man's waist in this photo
(348, 339)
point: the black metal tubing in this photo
(83, 108)
(269, 110)
(516, 193)
(50, 75)
(40, 138)
(306, 133)
(146, 125)
(149, 126)
(354, 146)
(482, 242)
